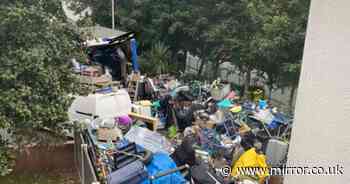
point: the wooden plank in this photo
(153, 122)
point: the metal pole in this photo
(83, 148)
(116, 11)
(113, 14)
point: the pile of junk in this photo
(162, 130)
(166, 131)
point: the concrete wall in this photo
(46, 159)
(322, 118)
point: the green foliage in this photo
(157, 60)
(256, 35)
(273, 37)
(291, 72)
(182, 25)
(251, 34)
(36, 81)
(159, 57)
(282, 42)
(6, 160)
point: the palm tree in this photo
(159, 57)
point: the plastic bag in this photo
(262, 104)
(151, 141)
(172, 131)
(224, 104)
(250, 159)
(236, 109)
(162, 163)
(145, 103)
(156, 104)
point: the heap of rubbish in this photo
(162, 130)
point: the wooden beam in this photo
(153, 122)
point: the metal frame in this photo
(82, 161)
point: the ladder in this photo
(132, 89)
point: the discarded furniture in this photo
(152, 122)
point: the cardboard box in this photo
(104, 134)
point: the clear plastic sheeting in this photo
(264, 116)
(150, 140)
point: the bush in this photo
(6, 159)
(256, 93)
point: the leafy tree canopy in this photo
(36, 81)
(264, 36)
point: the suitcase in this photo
(203, 175)
(121, 160)
(133, 173)
(276, 152)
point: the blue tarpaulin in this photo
(160, 163)
(279, 118)
(133, 46)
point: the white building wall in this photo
(321, 133)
